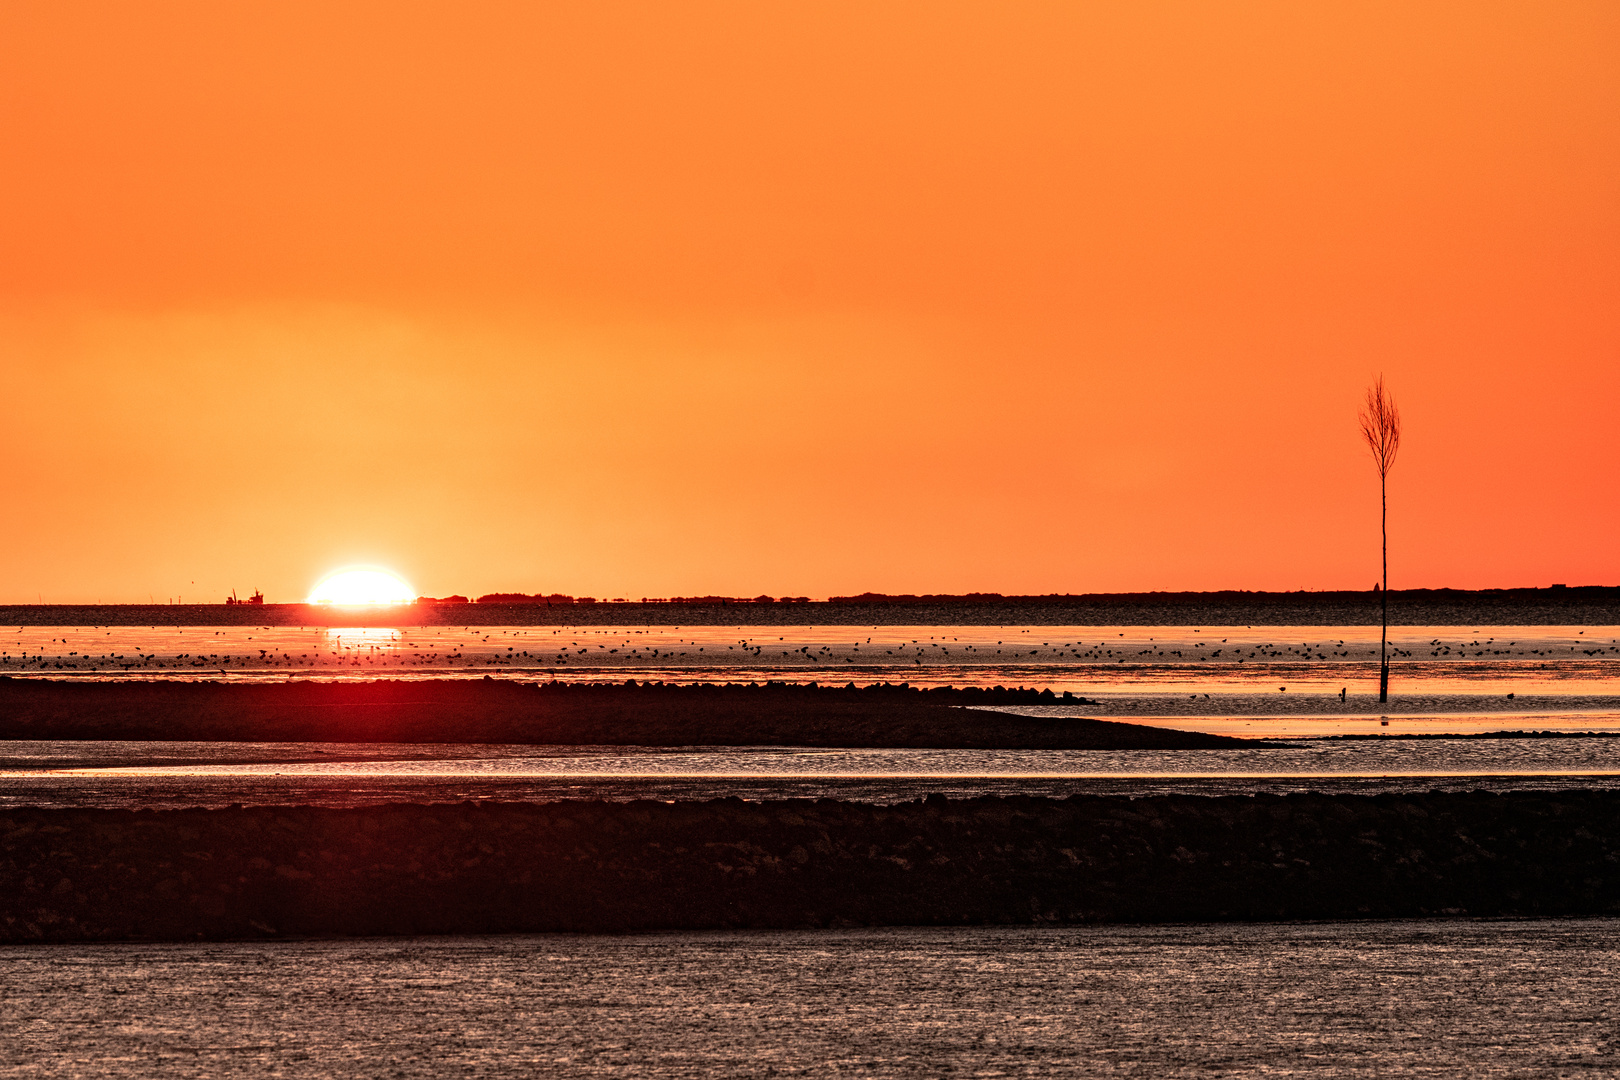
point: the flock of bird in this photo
(437, 649)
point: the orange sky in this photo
(640, 299)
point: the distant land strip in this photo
(473, 868)
(1590, 605)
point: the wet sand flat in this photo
(1441, 997)
(151, 775)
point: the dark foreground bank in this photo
(78, 875)
(576, 714)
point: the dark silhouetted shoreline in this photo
(1582, 606)
(185, 875)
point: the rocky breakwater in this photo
(76, 875)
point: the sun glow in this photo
(352, 588)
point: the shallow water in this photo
(1437, 998)
(1265, 682)
(1231, 680)
(1124, 658)
(134, 774)
(1320, 718)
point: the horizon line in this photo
(512, 599)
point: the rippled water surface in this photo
(1440, 998)
(132, 774)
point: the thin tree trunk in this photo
(1380, 424)
(1383, 644)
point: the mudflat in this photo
(576, 714)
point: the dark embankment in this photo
(495, 711)
(74, 875)
(1557, 606)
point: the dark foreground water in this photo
(1436, 998)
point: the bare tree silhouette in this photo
(1381, 427)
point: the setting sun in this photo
(352, 587)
